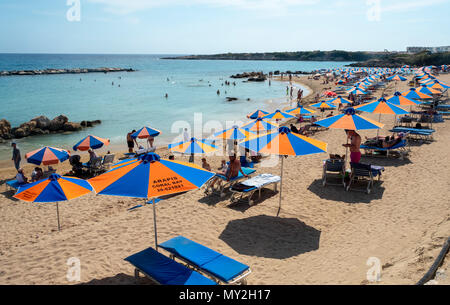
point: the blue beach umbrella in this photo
(194, 146)
(47, 156)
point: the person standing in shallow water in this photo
(16, 155)
(131, 141)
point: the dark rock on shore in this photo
(42, 125)
(64, 71)
(230, 99)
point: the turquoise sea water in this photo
(140, 99)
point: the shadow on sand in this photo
(270, 237)
(338, 193)
(243, 206)
(385, 162)
(120, 279)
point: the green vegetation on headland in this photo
(361, 59)
(395, 60)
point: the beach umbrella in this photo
(357, 91)
(150, 177)
(259, 125)
(429, 91)
(234, 133)
(90, 142)
(146, 132)
(47, 156)
(397, 77)
(300, 110)
(324, 105)
(194, 146)
(416, 95)
(283, 143)
(400, 100)
(257, 114)
(349, 120)
(437, 85)
(278, 115)
(339, 100)
(54, 189)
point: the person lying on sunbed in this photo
(386, 142)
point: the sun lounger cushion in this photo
(397, 146)
(165, 270)
(222, 267)
(262, 180)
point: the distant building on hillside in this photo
(412, 50)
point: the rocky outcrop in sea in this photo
(64, 71)
(42, 125)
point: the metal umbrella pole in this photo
(154, 224)
(281, 185)
(57, 215)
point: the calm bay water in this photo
(140, 100)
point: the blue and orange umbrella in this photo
(349, 121)
(301, 110)
(234, 133)
(149, 176)
(257, 114)
(438, 85)
(339, 100)
(47, 156)
(357, 91)
(400, 100)
(397, 77)
(382, 106)
(278, 115)
(194, 146)
(283, 143)
(90, 142)
(416, 95)
(324, 105)
(54, 189)
(146, 132)
(259, 125)
(427, 90)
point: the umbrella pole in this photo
(378, 130)
(154, 224)
(281, 185)
(57, 215)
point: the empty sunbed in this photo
(401, 148)
(220, 267)
(164, 270)
(247, 189)
(337, 168)
(366, 172)
(415, 133)
(219, 184)
(13, 184)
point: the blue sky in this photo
(219, 26)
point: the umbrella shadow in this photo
(9, 194)
(386, 162)
(338, 193)
(120, 279)
(213, 200)
(270, 237)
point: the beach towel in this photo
(262, 180)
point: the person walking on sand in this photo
(16, 155)
(355, 143)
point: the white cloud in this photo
(130, 6)
(402, 6)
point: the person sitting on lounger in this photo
(20, 177)
(37, 174)
(224, 168)
(205, 165)
(234, 168)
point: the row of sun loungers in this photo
(415, 133)
(400, 148)
(206, 266)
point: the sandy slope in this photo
(323, 235)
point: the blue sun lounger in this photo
(222, 184)
(415, 133)
(164, 270)
(13, 184)
(207, 261)
(247, 188)
(401, 148)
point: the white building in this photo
(413, 50)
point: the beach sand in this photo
(323, 235)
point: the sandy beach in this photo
(323, 235)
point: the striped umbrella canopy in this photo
(349, 121)
(339, 100)
(429, 91)
(324, 105)
(54, 189)
(47, 156)
(257, 114)
(416, 95)
(400, 100)
(278, 115)
(233, 133)
(382, 106)
(194, 146)
(357, 91)
(259, 125)
(146, 132)
(397, 77)
(300, 110)
(283, 143)
(90, 142)
(438, 85)
(149, 176)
